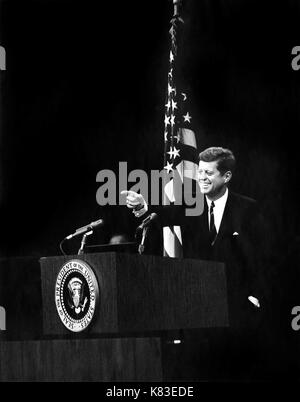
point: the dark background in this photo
(85, 88)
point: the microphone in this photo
(86, 228)
(147, 220)
(144, 226)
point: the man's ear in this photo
(227, 176)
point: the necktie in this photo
(212, 227)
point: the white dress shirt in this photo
(218, 209)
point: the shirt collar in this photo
(220, 201)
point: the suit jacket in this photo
(240, 244)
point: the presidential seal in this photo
(76, 295)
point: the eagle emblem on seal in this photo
(76, 295)
(77, 301)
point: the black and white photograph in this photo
(149, 216)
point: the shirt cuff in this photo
(141, 209)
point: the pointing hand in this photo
(136, 202)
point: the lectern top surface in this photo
(129, 247)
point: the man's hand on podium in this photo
(136, 202)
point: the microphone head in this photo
(86, 228)
(97, 223)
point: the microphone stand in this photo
(83, 241)
(141, 245)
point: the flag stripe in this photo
(188, 137)
(174, 246)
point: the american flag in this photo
(180, 150)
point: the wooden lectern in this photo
(140, 298)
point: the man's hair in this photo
(224, 157)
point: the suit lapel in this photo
(226, 222)
(205, 216)
(226, 226)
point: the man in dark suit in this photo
(230, 230)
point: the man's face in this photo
(212, 183)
